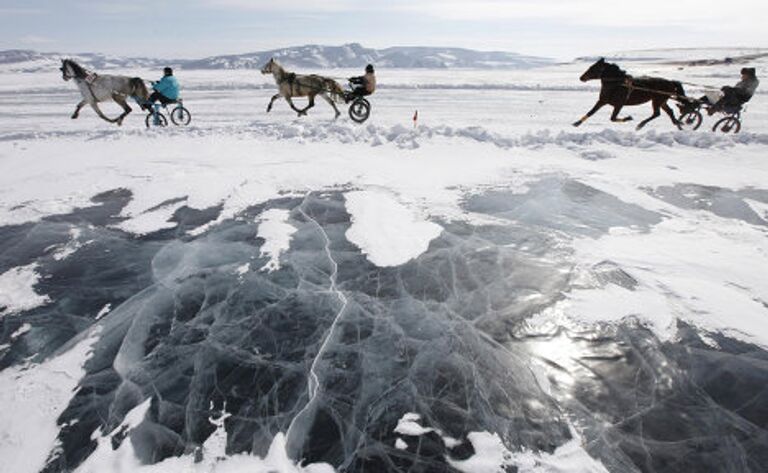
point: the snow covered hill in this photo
(686, 56)
(310, 56)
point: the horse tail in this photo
(337, 93)
(139, 88)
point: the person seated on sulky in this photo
(734, 97)
(166, 89)
(365, 84)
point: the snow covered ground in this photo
(661, 228)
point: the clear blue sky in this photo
(555, 28)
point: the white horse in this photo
(296, 85)
(97, 88)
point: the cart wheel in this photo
(360, 110)
(180, 116)
(727, 125)
(691, 120)
(150, 120)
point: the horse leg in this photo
(328, 99)
(271, 102)
(615, 115)
(290, 102)
(309, 105)
(594, 110)
(665, 106)
(127, 109)
(95, 107)
(78, 107)
(656, 113)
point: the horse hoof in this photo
(73, 117)
(628, 119)
(576, 123)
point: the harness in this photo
(89, 79)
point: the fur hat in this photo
(749, 71)
(369, 68)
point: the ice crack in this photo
(299, 422)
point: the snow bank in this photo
(277, 233)
(32, 399)
(388, 233)
(17, 290)
(409, 138)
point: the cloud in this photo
(36, 40)
(21, 11)
(288, 6)
(605, 13)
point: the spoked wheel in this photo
(180, 116)
(150, 120)
(691, 120)
(360, 110)
(727, 125)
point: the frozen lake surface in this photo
(490, 290)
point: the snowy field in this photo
(491, 288)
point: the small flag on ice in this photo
(415, 118)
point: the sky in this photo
(560, 29)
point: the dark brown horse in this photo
(619, 89)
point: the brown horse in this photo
(619, 89)
(294, 85)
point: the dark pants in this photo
(732, 98)
(360, 91)
(158, 97)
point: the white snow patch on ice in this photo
(17, 290)
(760, 208)
(151, 220)
(32, 398)
(400, 444)
(277, 234)
(699, 271)
(21, 331)
(243, 269)
(409, 425)
(104, 311)
(491, 456)
(387, 232)
(613, 303)
(74, 244)
(215, 460)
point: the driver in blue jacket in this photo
(166, 89)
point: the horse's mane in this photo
(79, 70)
(612, 70)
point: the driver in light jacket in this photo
(166, 89)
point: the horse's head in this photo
(595, 71)
(67, 71)
(270, 67)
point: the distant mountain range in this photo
(303, 57)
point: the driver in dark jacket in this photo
(738, 94)
(365, 84)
